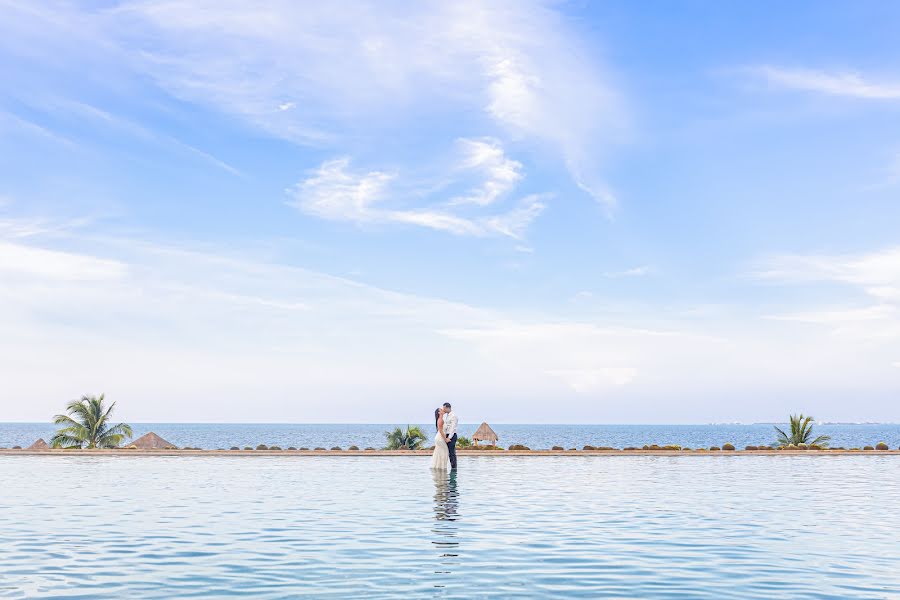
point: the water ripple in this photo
(511, 527)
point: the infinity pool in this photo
(502, 527)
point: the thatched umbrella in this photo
(484, 433)
(40, 444)
(151, 441)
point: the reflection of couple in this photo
(445, 439)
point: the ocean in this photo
(218, 435)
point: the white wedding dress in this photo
(440, 458)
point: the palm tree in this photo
(87, 424)
(398, 439)
(801, 433)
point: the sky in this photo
(542, 212)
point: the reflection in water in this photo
(446, 515)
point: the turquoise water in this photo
(502, 527)
(226, 435)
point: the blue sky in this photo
(548, 211)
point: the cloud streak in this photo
(335, 192)
(849, 84)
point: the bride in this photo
(441, 456)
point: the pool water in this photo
(500, 527)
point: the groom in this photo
(450, 421)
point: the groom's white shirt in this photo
(450, 421)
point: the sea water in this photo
(622, 526)
(227, 435)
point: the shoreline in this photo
(425, 453)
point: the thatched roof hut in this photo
(40, 444)
(151, 441)
(484, 433)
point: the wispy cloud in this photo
(331, 70)
(28, 261)
(632, 272)
(487, 158)
(836, 83)
(876, 275)
(336, 192)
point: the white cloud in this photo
(486, 157)
(335, 192)
(21, 260)
(632, 272)
(342, 66)
(172, 332)
(875, 273)
(835, 83)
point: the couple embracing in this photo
(445, 439)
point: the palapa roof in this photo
(40, 444)
(484, 433)
(151, 441)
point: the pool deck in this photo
(465, 453)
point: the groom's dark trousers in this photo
(451, 445)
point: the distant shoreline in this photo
(425, 453)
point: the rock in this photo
(881, 446)
(587, 447)
(519, 447)
(729, 447)
(714, 448)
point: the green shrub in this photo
(881, 446)
(319, 449)
(370, 449)
(338, 448)
(485, 448)
(714, 448)
(727, 446)
(262, 447)
(751, 448)
(304, 448)
(463, 442)
(672, 447)
(519, 447)
(274, 447)
(588, 447)
(627, 448)
(868, 448)
(291, 448)
(557, 448)
(235, 448)
(353, 448)
(247, 448)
